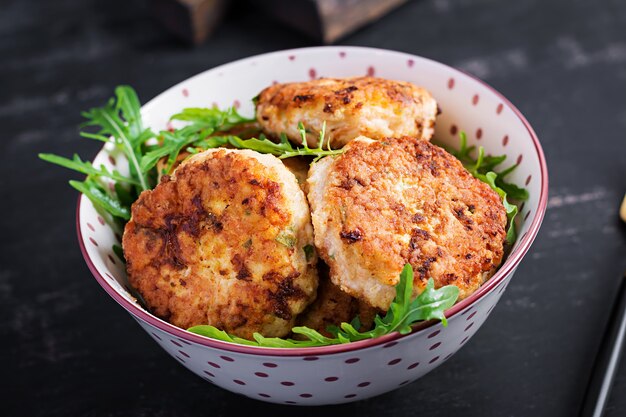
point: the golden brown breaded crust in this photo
(333, 307)
(385, 203)
(351, 107)
(221, 243)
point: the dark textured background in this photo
(563, 63)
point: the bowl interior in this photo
(467, 104)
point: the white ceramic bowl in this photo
(343, 373)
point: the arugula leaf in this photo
(126, 197)
(402, 314)
(130, 107)
(262, 144)
(119, 251)
(173, 143)
(208, 143)
(202, 123)
(283, 149)
(215, 333)
(86, 167)
(511, 209)
(512, 190)
(210, 118)
(120, 122)
(97, 194)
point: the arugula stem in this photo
(309, 152)
(129, 151)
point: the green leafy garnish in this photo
(283, 149)
(215, 333)
(482, 167)
(101, 198)
(202, 123)
(210, 119)
(119, 121)
(87, 168)
(431, 304)
(117, 249)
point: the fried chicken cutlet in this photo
(221, 242)
(382, 204)
(351, 107)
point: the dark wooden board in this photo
(67, 349)
(326, 21)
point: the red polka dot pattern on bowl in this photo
(302, 380)
(433, 334)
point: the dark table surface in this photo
(563, 63)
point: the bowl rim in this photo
(505, 270)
